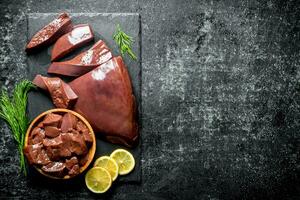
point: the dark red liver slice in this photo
(61, 93)
(54, 167)
(37, 135)
(75, 143)
(56, 148)
(52, 131)
(68, 122)
(53, 142)
(79, 36)
(86, 61)
(71, 162)
(75, 170)
(52, 119)
(36, 155)
(50, 33)
(106, 101)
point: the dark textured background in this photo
(221, 98)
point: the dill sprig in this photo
(13, 111)
(124, 42)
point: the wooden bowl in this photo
(92, 149)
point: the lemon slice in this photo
(98, 180)
(124, 160)
(109, 164)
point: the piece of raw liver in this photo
(107, 102)
(52, 119)
(86, 61)
(54, 167)
(56, 148)
(50, 33)
(53, 142)
(80, 35)
(71, 162)
(75, 170)
(37, 135)
(83, 129)
(36, 155)
(68, 122)
(52, 131)
(75, 143)
(61, 93)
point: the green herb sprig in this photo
(13, 111)
(124, 42)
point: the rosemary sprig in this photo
(124, 42)
(13, 111)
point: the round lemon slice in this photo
(98, 180)
(124, 160)
(109, 164)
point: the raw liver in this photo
(61, 93)
(71, 162)
(79, 36)
(37, 135)
(50, 33)
(52, 131)
(106, 101)
(36, 155)
(52, 119)
(75, 143)
(54, 167)
(68, 122)
(86, 61)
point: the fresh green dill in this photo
(124, 42)
(13, 111)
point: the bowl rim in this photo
(92, 149)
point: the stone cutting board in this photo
(103, 25)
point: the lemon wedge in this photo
(109, 164)
(124, 160)
(98, 180)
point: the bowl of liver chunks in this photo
(60, 143)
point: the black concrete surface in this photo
(220, 99)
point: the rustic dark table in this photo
(220, 98)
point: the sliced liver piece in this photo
(54, 167)
(75, 143)
(61, 93)
(83, 129)
(68, 122)
(71, 162)
(79, 36)
(36, 155)
(53, 153)
(50, 33)
(75, 170)
(36, 131)
(87, 137)
(37, 135)
(31, 152)
(57, 153)
(52, 131)
(53, 142)
(80, 126)
(56, 148)
(86, 61)
(107, 102)
(42, 158)
(52, 119)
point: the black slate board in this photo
(103, 25)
